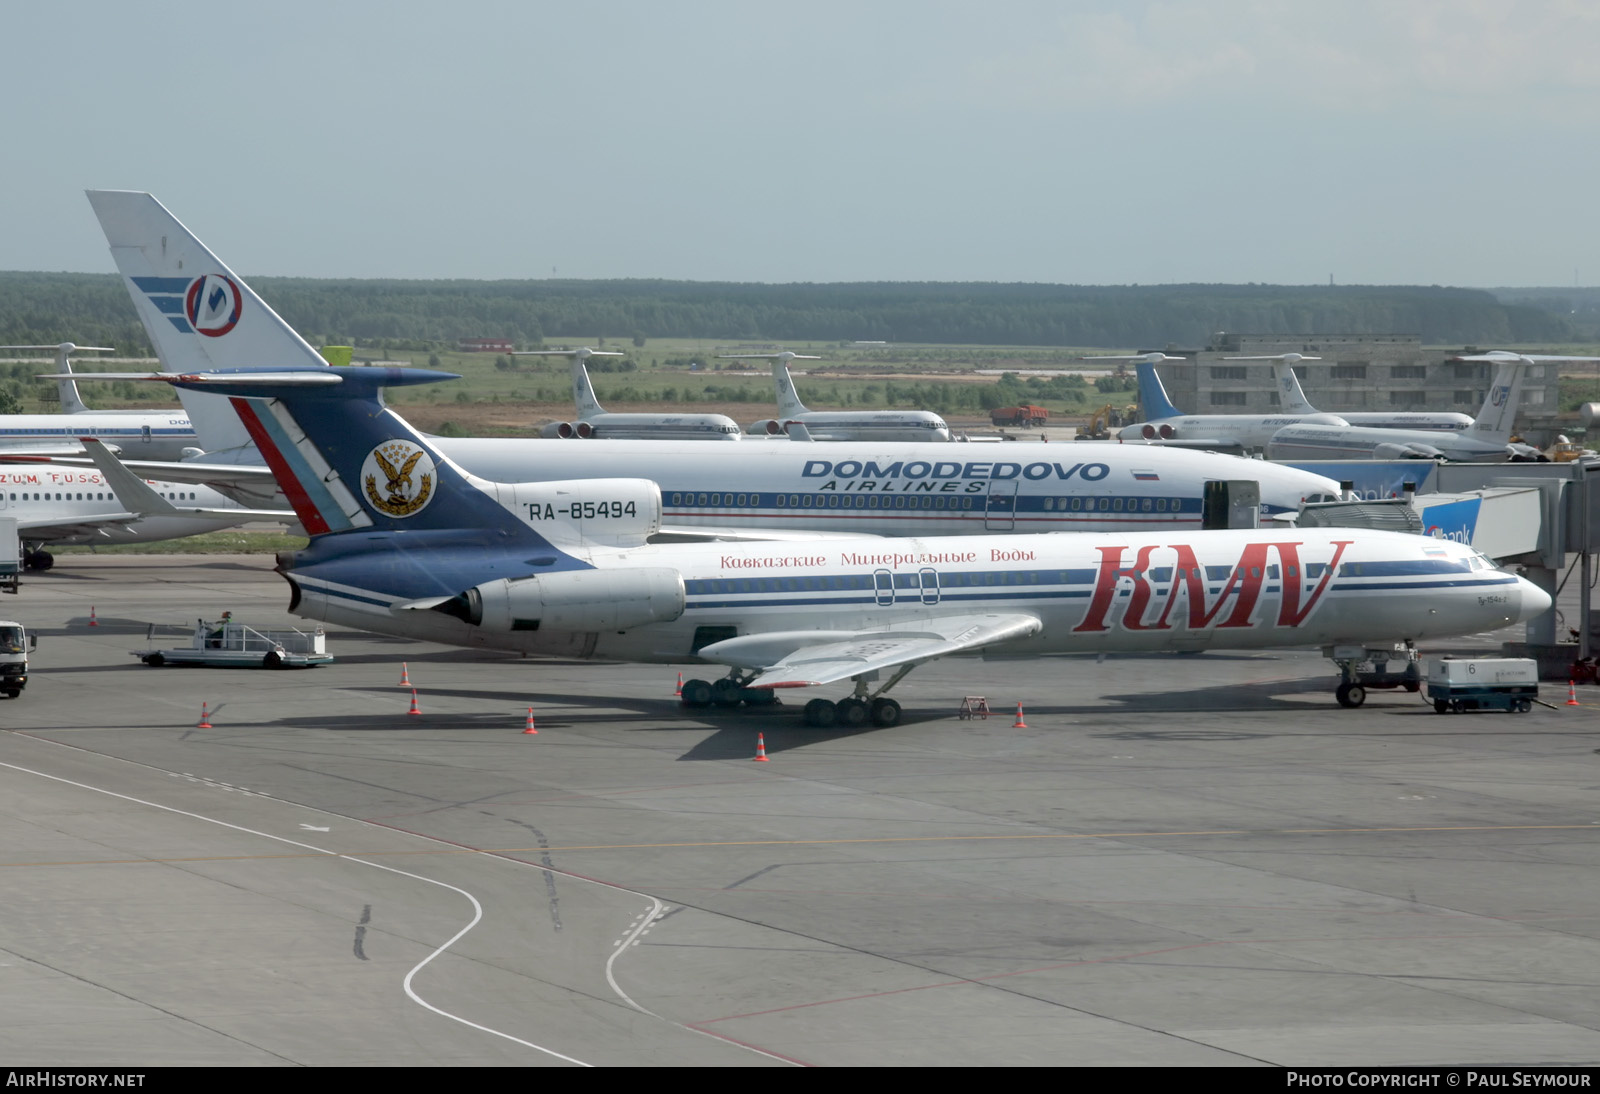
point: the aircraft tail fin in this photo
(583, 389)
(348, 463)
(1291, 395)
(1153, 401)
(789, 404)
(1499, 410)
(67, 387)
(199, 314)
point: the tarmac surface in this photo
(1177, 861)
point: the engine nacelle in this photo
(1168, 432)
(568, 430)
(573, 600)
(770, 427)
(618, 512)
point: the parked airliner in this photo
(877, 488)
(1488, 439)
(838, 425)
(1293, 399)
(56, 505)
(1165, 422)
(405, 541)
(595, 421)
(141, 434)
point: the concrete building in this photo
(1357, 372)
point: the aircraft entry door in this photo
(1000, 512)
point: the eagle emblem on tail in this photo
(398, 478)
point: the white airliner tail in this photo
(789, 404)
(1291, 395)
(1499, 411)
(199, 314)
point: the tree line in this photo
(94, 309)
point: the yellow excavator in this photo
(1104, 420)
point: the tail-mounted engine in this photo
(573, 600)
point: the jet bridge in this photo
(1529, 515)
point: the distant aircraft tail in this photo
(1290, 394)
(583, 389)
(199, 314)
(789, 404)
(1153, 401)
(1499, 411)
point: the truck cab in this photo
(15, 645)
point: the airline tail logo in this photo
(1498, 396)
(212, 305)
(397, 478)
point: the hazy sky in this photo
(1397, 141)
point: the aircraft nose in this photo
(1535, 601)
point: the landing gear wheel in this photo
(1350, 695)
(38, 560)
(1412, 686)
(851, 713)
(155, 660)
(696, 693)
(1440, 706)
(760, 697)
(725, 693)
(819, 713)
(885, 712)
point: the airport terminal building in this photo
(1371, 372)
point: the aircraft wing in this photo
(49, 529)
(147, 502)
(219, 476)
(41, 452)
(797, 659)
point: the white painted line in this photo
(477, 909)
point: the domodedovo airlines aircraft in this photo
(405, 541)
(878, 488)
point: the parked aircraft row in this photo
(878, 488)
(1303, 433)
(405, 541)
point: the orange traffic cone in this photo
(1572, 694)
(205, 717)
(679, 692)
(761, 748)
(405, 678)
(530, 728)
(1019, 723)
(413, 709)
(93, 622)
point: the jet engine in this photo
(771, 427)
(573, 600)
(568, 430)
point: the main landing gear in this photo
(37, 559)
(1354, 682)
(853, 711)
